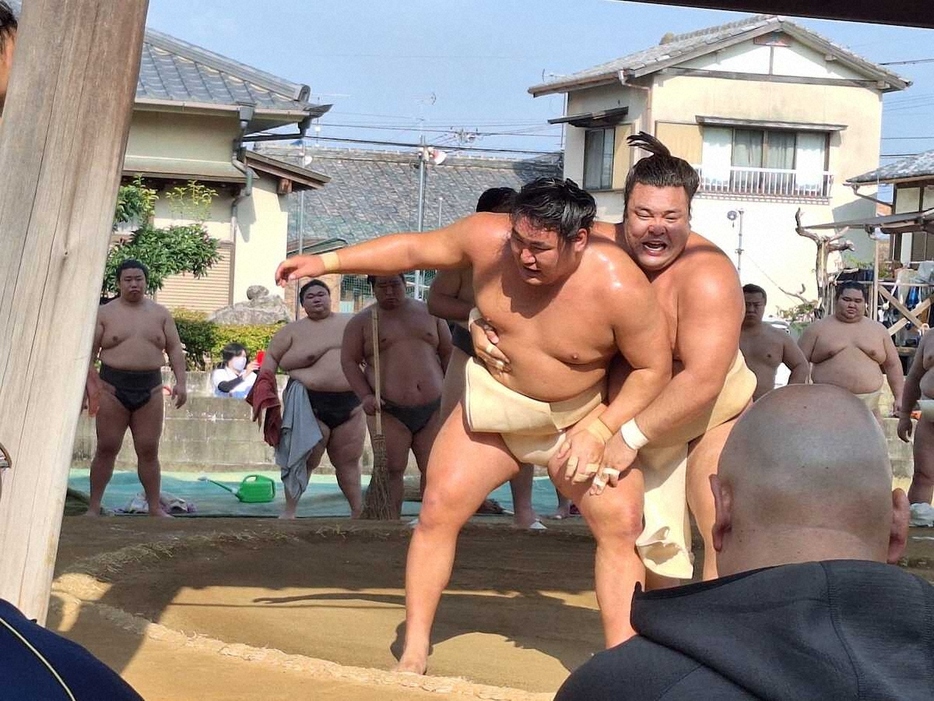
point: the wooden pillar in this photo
(62, 142)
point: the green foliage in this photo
(135, 203)
(198, 337)
(176, 249)
(253, 338)
(801, 315)
(191, 201)
(204, 339)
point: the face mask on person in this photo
(238, 363)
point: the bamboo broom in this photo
(378, 505)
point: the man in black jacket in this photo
(806, 606)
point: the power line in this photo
(415, 145)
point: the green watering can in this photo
(253, 489)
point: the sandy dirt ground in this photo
(230, 609)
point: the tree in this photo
(179, 248)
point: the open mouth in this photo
(654, 247)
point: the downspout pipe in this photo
(246, 116)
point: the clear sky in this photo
(463, 67)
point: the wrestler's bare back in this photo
(310, 351)
(848, 355)
(559, 338)
(132, 336)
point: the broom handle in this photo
(379, 405)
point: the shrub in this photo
(197, 334)
(254, 338)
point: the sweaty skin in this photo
(528, 283)
(414, 349)
(765, 348)
(451, 297)
(919, 384)
(309, 350)
(132, 333)
(851, 351)
(702, 308)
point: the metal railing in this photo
(770, 182)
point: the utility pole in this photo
(733, 215)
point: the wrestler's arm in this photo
(444, 344)
(448, 247)
(443, 300)
(710, 314)
(892, 367)
(92, 385)
(176, 353)
(278, 346)
(794, 360)
(912, 391)
(807, 342)
(353, 359)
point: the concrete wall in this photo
(262, 229)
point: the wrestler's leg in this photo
(703, 457)
(615, 519)
(421, 447)
(454, 379)
(345, 449)
(311, 462)
(111, 424)
(146, 427)
(398, 441)
(521, 486)
(922, 483)
(464, 468)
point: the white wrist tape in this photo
(632, 436)
(473, 317)
(331, 261)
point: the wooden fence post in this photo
(62, 143)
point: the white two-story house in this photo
(774, 117)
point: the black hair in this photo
(497, 199)
(313, 283)
(371, 279)
(132, 264)
(555, 204)
(751, 289)
(231, 351)
(850, 285)
(661, 169)
(8, 24)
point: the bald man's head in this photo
(805, 475)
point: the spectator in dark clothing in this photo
(806, 606)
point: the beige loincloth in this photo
(665, 543)
(533, 430)
(870, 399)
(926, 405)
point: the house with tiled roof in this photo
(773, 116)
(371, 193)
(911, 223)
(195, 112)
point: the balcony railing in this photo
(765, 182)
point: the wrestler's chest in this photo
(394, 331)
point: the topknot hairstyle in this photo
(661, 169)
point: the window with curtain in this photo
(598, 158)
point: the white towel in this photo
(298, 436)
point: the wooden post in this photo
(62, 143)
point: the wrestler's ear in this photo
(898, 535)
(579, 242)
(723, 508)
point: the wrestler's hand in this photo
(905, 428)
(180, 394)
(582, 454)
(484, 339)
(617, 459)
(298, 267)
(369, 405)
(92, 393)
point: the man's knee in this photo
(623, 523)
(147, 452)
(107, 451)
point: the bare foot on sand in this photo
(287, 515)
(412, 664)
(160, 513)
